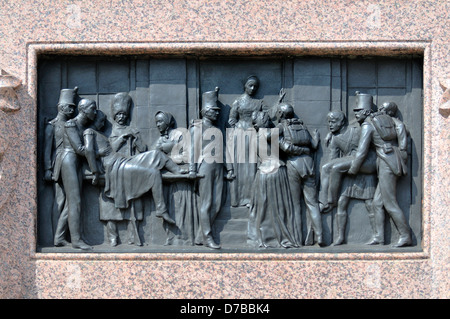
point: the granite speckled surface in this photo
(30, 28)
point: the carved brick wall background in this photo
(314, 86)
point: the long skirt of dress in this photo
(244, 171)
(182, 206)
(271, 213)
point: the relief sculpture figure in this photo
(128, 177)
(342, 142)
(207, 159)
(71, 169)
(147, 157)
(127, 142)
(299, 146)
(180, 196)
(53, 152)
(389, 137)
(333, 171)
(244, 164)
(271, 219)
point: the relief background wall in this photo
(313, 85)
(115, 27)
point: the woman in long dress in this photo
(271, 218)
(180, 195)
(240, 119)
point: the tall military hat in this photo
(364, 101)
(120, 103)
(68, 96)
(209, 100)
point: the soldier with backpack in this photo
(390, 140)
(299, 146)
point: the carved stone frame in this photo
(257, 48)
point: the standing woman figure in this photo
(240, 120)
(271, 220)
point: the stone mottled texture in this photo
(219, 27)
(218, 279)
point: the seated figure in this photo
(127, 177)
(180, 194)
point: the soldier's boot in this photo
(405, 237)
(79, 244)
(403, 229)
(209, 242)
(376, 217)
(341, 220)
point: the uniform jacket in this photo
(54, 148)
(391, 152)
(296, 142)
(201, 146)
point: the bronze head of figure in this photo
(363, 106)
(66, 104)
(251, 85)
(164, 122)
(336, 120)
(120, 108)
(210, 109)
(87, 110)
(390, 108)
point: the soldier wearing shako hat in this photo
(207, 158)
(337, 187)
(333, 171)
(389, 139)
(53, 150)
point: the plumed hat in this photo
(120, 103)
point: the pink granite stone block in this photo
(30, 28)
